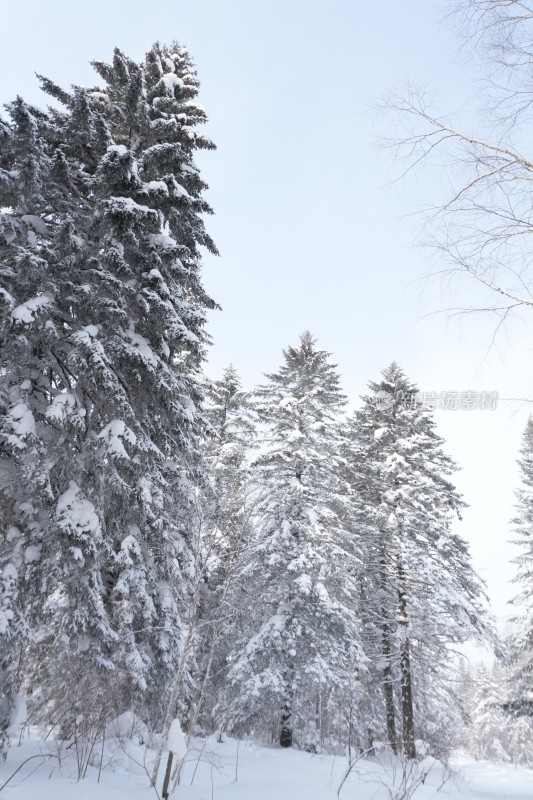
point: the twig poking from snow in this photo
(198, 761)
(44, 756)
(351, 765)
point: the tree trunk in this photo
(406, 682)
(285, 737)
(166, 782)
(407, 701)
(388, 690)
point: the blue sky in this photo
(311, 233)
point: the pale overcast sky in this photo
(310, 234)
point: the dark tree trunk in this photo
(406, 682)
(407, 701)
(166, 782)
(388, 689)
(285, 737)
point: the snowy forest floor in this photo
(244, 771)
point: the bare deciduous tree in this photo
(480, 219)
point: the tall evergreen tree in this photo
(102, 338)
(520, 645)
(229, 411)
(424, 593)
(227, 528)
(300, 643)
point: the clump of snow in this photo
(171, 80)
(26, 312)
(60, 406)
(32, 553)
(190, 168)
(156, 186)
(160, 240)
(140, 346)
(113, 434)
(12, 534)
(75, 512)
(321, 592)
(304, 583)
(179, 189)
(128, 205)
(176, 742)
(103, 97)
(87, 336)
(22, 424)
(120, 149)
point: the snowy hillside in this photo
(244, 771)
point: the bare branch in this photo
(480, 219)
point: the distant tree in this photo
(299, 648)
(489, 733)
(497, 724)
(101, 329)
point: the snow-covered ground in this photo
(244, 771)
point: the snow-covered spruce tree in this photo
(299, 643)
(33, 199)
(376, 601)
(227, 526)
(521, 698)
(488, 735)
(497, 727)
(229, 411)
(423, 594)
(102, 337)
